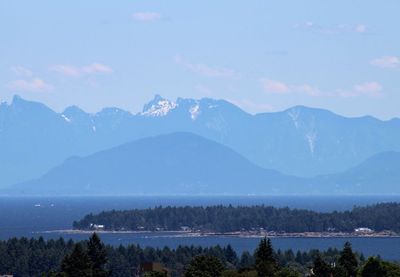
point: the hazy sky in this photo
(261, 55)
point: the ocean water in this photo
(35, 216)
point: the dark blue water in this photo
(33, 216)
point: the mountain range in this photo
(184, 163)
(300, 141)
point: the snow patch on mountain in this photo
(294, 115)
(194, 111)
(311, 138)
(66, 118)
(159, 107)
(93, 124)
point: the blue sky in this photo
(261, 55)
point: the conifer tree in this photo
(246, 260)
(373, 268)
(348, 260)
(265, 263)
(230, 254)
(97, 255)
(321, 268)
(204, 266)
(77, 263)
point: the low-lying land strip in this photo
(242, 234)
(378, 220)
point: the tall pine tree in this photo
(97, 255)
(348, 260)
(266, 265)
(231, 256)
(321, 268)
(77, 263)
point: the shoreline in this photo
(241, 234)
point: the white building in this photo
(363, 230)
(97, 226)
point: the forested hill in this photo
(379, 217)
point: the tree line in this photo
(379, 217)
(59, 258)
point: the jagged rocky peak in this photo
(74, 111)
(193, 108)
(20, 105)
(16, 99)
(75, 114)
(159, 106)
(19, 101)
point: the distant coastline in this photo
(242, 234)
(378, 220)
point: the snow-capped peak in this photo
(158, 107)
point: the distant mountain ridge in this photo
(379, 174)
(299, 141)
(178, 163)
(184, 163)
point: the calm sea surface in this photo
(33, 216)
